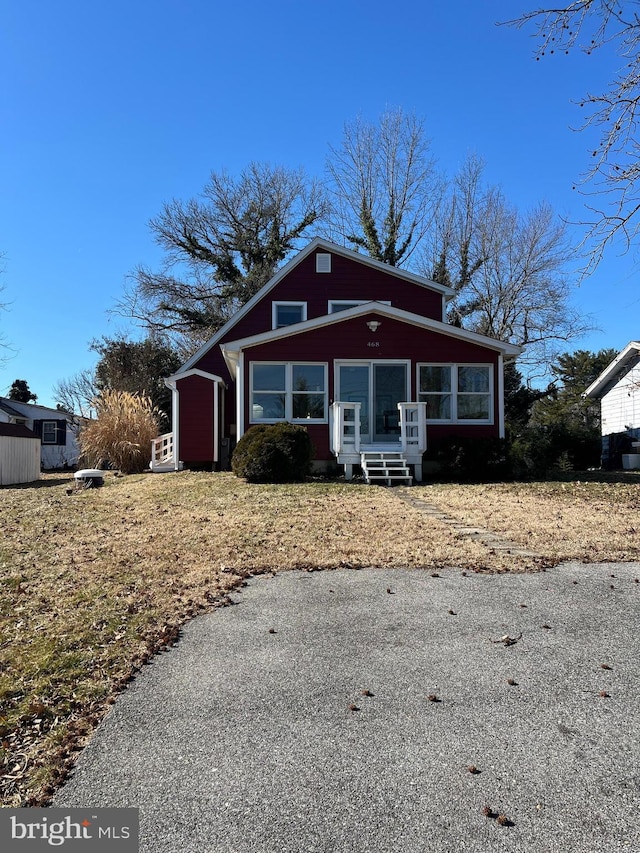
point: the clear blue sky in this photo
(109, 108)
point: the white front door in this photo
(378, 386)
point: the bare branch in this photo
(590, 25)
(384, 185)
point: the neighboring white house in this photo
(618, 389)
(57, 431)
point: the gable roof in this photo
(16, 409)
(10, 410)
(619, 367)
(326, 245)
(231, 349)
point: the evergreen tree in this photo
(21, 393)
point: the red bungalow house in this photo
(355, 350)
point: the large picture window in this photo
(288, 392)
(458, 393)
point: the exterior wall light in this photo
(374, 325)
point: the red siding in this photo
(195, 414)
(348, 279)
(353, 339)
(394, 339)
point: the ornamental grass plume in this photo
(121, 434)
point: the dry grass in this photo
(581, 520)
(94, 582)
(122, 432)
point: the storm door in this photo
(378, 386)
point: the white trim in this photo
(216, 428)
(285, 304)
(314, 245)
(183, 374)
(613, 370)
(175, 419)
(501, 430)
(240, 398)
(230, 349)
(289, 392)
(172, 383)
(55, 431)
(454, 393)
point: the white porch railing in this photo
(345, 432)
(413, 427)
(162, 451)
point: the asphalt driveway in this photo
(253, 732)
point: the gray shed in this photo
(19, 455)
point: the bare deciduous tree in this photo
(385, 187)
(221, 248)
(77, 394)
(508, 269)
(612, 182)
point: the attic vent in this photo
(323, 262)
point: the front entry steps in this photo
(385, 467)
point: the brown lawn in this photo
(94, 582)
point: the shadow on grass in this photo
(600, 477)
(53, 479)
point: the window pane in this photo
(308, 406)
(342, 306)
(268, 377)
(474, 379)
(438, 406)
(49, 432)
(286, 315)
(308, 377)
(267, 406)
(434, 378)
(473, 407)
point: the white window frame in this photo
(454, 367)
(289, 392)
(55, 432)
(352, 302)
(274, 312)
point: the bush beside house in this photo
(273, 453)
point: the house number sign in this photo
(373, 343)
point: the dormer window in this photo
(288, 313)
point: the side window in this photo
(457, 393)
(474, 393)
(49, 432)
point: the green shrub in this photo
(548, 451)
(472, 458)
(273, 453)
